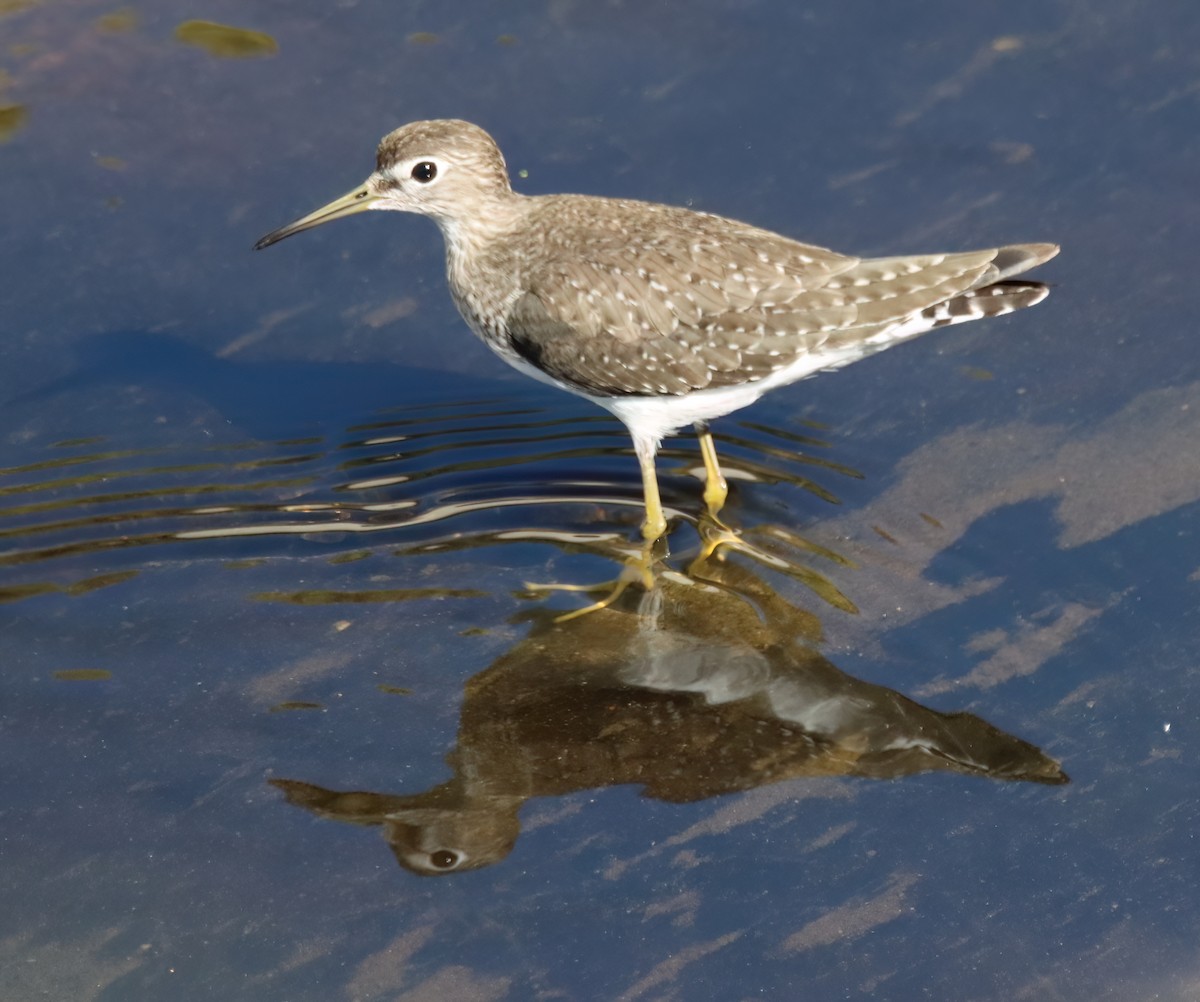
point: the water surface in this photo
(281, 714)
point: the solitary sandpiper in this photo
(661, 315)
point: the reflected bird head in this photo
(433, 842)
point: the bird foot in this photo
(638, 568)
(713, 535)
(781, 553)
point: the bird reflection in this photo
(706, 684)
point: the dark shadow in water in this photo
(703, 686)
(266, 400)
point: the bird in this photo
(662, 315)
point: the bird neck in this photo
(469, 233)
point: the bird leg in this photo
(715, 488)
(638, 566)
(655, 525)
(713, 532)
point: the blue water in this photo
(282, 510)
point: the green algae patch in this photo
(12, 120)
(225, 41)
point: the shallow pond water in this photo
(284, 713)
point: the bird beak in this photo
(358, 200)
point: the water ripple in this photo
(452, 475)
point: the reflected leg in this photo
(638, 569)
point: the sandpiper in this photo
(662, 315)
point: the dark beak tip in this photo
(271, 238)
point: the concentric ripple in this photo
(450, 475)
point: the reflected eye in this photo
(443, 859)
(424, 172)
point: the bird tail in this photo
(992, 300)
(1013, 260)
(994, 293)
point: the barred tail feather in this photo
(990, 301)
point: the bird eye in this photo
(443, 859)
(424, 172)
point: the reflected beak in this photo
(358, 200)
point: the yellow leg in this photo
(715, 488)
(656, 522)
(639, 566)
(713, 532)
